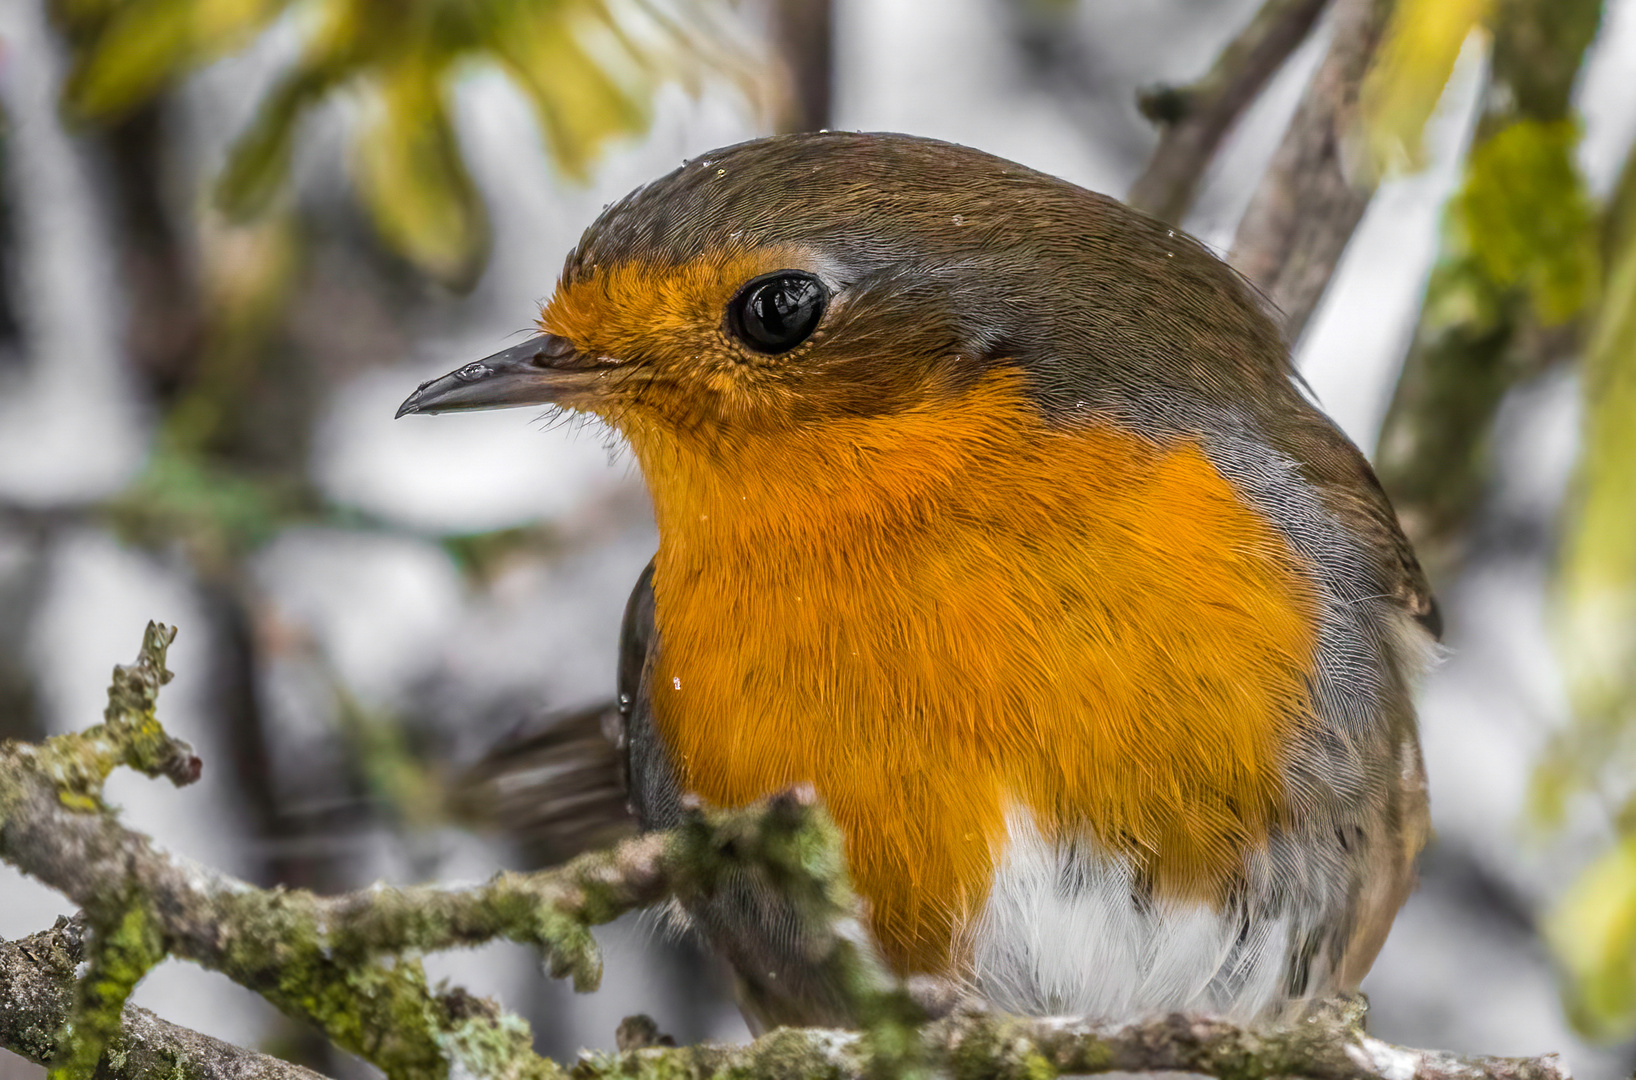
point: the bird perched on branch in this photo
(993, 510)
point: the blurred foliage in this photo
(398, 777)
(1532, 273)
(250, 273)
(1403, 87)
(1518, 265)
(589, 67)
(483, 556)
(1593, 933)
(1594, 930)
(217, 514)
(1525, 221)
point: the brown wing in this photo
(562, 785)
(556, 788)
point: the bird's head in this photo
(792, 282)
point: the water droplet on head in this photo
(676, 682)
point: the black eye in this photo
(776, 312)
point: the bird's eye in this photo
(776, 312)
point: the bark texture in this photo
(1316, 189)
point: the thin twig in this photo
(1197, 117)
(1314, 193)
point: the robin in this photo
(993, 510)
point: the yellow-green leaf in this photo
(1598, 588)
(146, 43)
(578, 103)
(590, 67)
(413, 180)
(259, 162)
(1423, 40)
(1593, 932)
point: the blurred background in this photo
(235, 233)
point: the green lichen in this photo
(992, 1048)
(1526, 220)
(1037, 1067)
(177, 1067)
(78, 764)
(568, 946)
(790, 1054)
(1086, 1055)
(482, 1041)
(373, 1002)
(123, 949)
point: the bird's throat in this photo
(939, 615)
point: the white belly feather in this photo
(1065, 932)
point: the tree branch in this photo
(37, 994)
(1328, 1045)
(1197, 117)
(349, 963)
(1313, 194)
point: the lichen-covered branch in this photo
(1314, 191)
(1328, 1045)
(1197, 117)
(349, 963)
(37, 998)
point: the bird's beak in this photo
(544, 370)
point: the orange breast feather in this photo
(939, 616)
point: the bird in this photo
(996, 513)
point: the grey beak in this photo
(533, 373)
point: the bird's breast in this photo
(947, 618)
